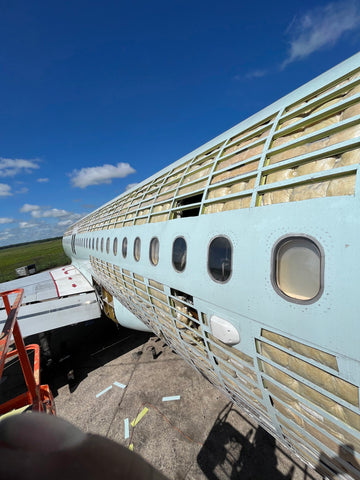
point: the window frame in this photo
(207, 260)
(273, 273)
(115, 246)
(154, 239)
(124, 247)
(172, 253)
(137, 241)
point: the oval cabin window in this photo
(97, 243)
(137, 247)
(102, 245)
(154, 251)
(108, 245)
(115, 246)
(220, 259)
(124, 247)
(93, 243)
(179, 254)
(298, 269)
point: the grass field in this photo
(45, 254)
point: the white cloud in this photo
(5, 190)
(22, 190)
(255, 74)
(29, 208)
(9, 167)
(98, 175)
(4, 220)
(27, 225)
(52, 213)
(321, 27)
(42, 180)
(130, 186)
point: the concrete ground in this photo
(200, 435)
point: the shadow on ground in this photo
(69, 354)
(228, 454)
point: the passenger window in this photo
(137, 247)
(124, 247)
(298, 268)
(179, 254)
(154, 251)
(102, 245)
(115, 246)
(97, 243)
(107, 245)
(220, 259)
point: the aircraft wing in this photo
(52, 299)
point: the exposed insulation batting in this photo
(158, 295)
(231, 350)
(159, 218)
(195, 176)
(310, 352)
(333, 408)
(236, 187)
(156, 284)
(237, 388)
(145, 296)
(144, 211)
(160, 305)
(140, 221)
(252, 129)
(281, 175)
(239, 157)
(243, 202)
(344, 185)
(234, 172)
(140, 285)
(202, 163)
(192, 188)
(325, 380)
(162, 207)
(165, 196)
(349, 158)
(147, 203)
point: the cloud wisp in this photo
(4, 220)
(321, 27)
(9, 167)
(5, 190)
(98, 175)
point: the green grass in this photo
(45, 254)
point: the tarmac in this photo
(105, 378)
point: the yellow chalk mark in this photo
(139, 417)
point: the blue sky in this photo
(97, 96)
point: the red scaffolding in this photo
(37, 397)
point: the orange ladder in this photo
(37, 397)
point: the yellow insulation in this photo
(346, 133)
(333, 429)
(235, 187)
(234, 172)
(347, 416)
(156, 284)
(231, 350)
(344, 185)
(159, 218)
(195, 176)
(337, 386)
(310, 352)
(243, 202)
(240, 157)
(232, 385)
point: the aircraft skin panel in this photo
(53, 299)
(243, 256)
